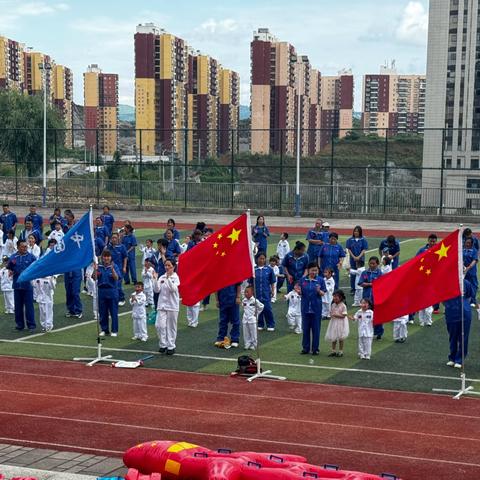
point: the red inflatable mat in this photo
(134, 474)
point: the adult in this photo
(107, 219)
(56, 217)
(35, 218)
(356, 246)
(171, 226)
(331, 256)
(470, 260)
(295, 265)
(390, 247)
(315, 238)
(8, 221)
(130, 242)
(174, 249)
(467, 233)
(101, 231)
(30, 230)
(107, 275)
(22, 291)
(260, 233)
(73, 279)
(228, 301)
(265, 281)
(119, 258)
(195, 240)
(32, 247)
(313, 288)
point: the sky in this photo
(354, 34)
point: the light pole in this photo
(366, 188)
(44, 68)
(297, 180)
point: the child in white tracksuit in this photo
(364, 319)
(425, 317)
(358, 288)
(147, 251)
(328, 297)
(400, 329)
(147, 276)
(274, 264)
(6, 284)
(294, 314)
(45, 288)
(167, 308)
(138, 301)
(92, 288)
(251, 309)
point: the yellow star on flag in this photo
(215, 245)
(442, 251)
(422, 267)
(223, 254)
(428, 272)
(220, 236)
(234, 235)
(422, 260)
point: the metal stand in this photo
(99, 358)
(266, 374)
(464, 390)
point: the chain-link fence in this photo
(353, 172)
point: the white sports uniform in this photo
(167, 310)
(193, 314)
(6, 282)
(294, 314)
(400, 329)
(425, 316)
(147, 277)
(283, 248)
(276, 271)
(365, 333)
(138, 301)
(328, 297)
(358, 289)
(56, 235)
(251, 309)
(147, 252)
(45, 288)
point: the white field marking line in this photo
(265, 362)
(59, 445)
(233, 437)
(243, 395)
(246, 415)
(28, 337)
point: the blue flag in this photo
(74, 252)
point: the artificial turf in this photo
(421, 359)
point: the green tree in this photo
(21, 130)
(114, 169)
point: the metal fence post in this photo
(442, 166)
(185, 168)
(232, 175)
(385, 167)
(141, 169)
(281, 170)
(97, 164)
(56, 165)
(332, 155)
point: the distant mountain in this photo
(244, 112)
(126, 113)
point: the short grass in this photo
(417, 365)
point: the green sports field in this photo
(417, 365)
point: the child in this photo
(366, 280)
(400, 330)
(193, 313)
(283, 246)
(364, 317)
(45, 288)
(251, 309)
(337, 330)
(425, 317)
(138, 301)
(168, 306)
(186, 242)
(274, 266)
(91, 288)
(147, 276)
(328, 297)
(6, 284)
(386, 265)
(228, 301)
(360, 264)
(10, 245)
(57, 232)
(147, 250)
(294, 314)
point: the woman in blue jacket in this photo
(264, 291)
(295, 264)
(356, 246)
(390, 247)
(260, 233)
(331, 256)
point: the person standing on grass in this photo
(45, 289)
(228, 301)
(107, 275)
(312, 290)
(251, 309)
(331, 256)
(390, 247)
(265, 280)
(56, 217)
(364, 319)
(295, 265)
(7, 287)
(367, 278)
(171, 226)
(315, 241)
(29, 230)
(138, 301)
(260, 234)
(356, 247)
(107, 219)
(174, 250)
(158, 263)
(35, 218)
(22, 291)
(8, 220)
(119, 258)
(130, 242)
(338, 328)
(470, 260)
(167, 308)
(101, 231)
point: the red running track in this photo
(69, 406)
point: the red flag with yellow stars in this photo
(432, 277)
(221, 260)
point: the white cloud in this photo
(413, 26)
(38, 8)
(227, 25)
(104, 26)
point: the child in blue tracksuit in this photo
(295, 265)
(366, 279)
(265, 280)
(107, 275)
(228, 302)
(260, 233)
(356, 246)
(470, 260)
(130, 242)
(313, 288)
(391, 248)
(315, 241)
(453, 319)
(331, 256)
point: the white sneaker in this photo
(113, 334)
(101, 334)
(135, 338)
(450, 363)
(144, 339)
(458, 365)
(122, 303)
(234, 344)
(260, 329)
(298, 332)
(270, 329)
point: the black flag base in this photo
(464, 390)
(266, 374)
(99, 358)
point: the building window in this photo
(473, 185)
(474, 164)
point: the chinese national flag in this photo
(432, 277)
(221, 260)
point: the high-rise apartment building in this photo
(37, 78)
(285, 88)
(11, 64)
(178, 88)
(393, 103)
(100, 110)
(452, 111)
(62, 97)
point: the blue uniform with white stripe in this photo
(108, 296)
(356, 245)
(108, 220)
(295, 266)
(330, 256)
(311, 306)
(119, 254)
(313, 249)
(229, 312)
(130, 242)
(36, 219)
(369, 276)
(259, 235)
(72, 281)
(264, 279)
(471, 255)
(8, 221)
(392, 250)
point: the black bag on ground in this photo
(246, 365)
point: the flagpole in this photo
(464, 390)
(99, 358)
(267, 374)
